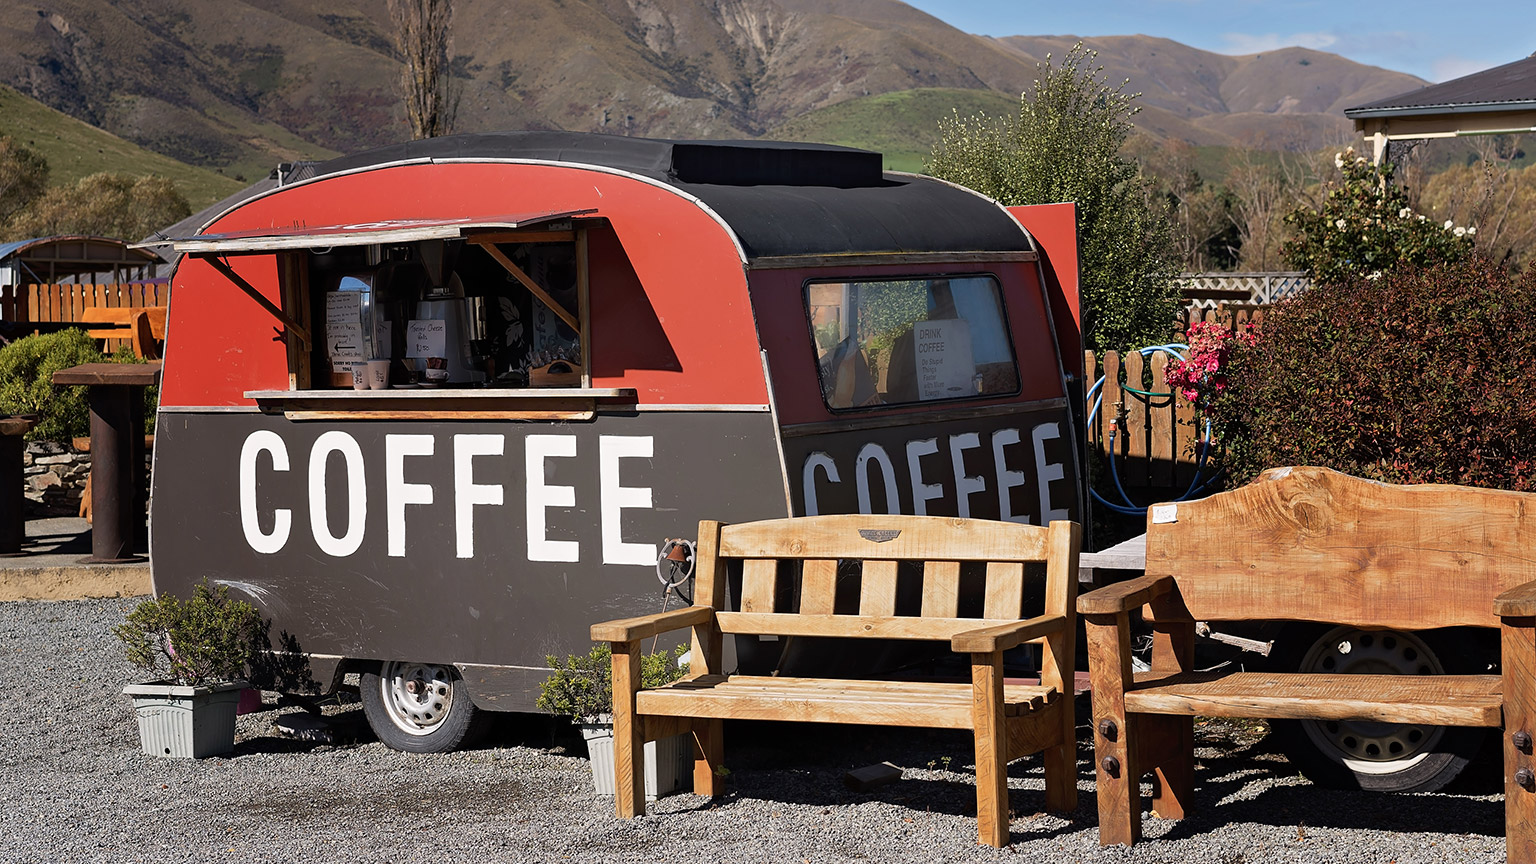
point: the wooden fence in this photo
(1206, 290)
(1155, 441)
(1233, 316)
(1233, 300)
(30, 303)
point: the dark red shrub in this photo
(1421, 376)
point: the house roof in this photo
(49, 258)
(1511, 87)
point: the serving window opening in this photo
(910, 341)
(451, 313)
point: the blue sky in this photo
(1436, 41)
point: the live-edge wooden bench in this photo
(1008, 720)
(1310, 544)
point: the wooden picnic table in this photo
(117, 456)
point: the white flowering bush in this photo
(1366, 227)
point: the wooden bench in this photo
(1309, 544)
(143, 326)
(865, 554)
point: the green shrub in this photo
(1420, 376)
(582, 686)
(205, 639)
(1066, 143)
(26, 382)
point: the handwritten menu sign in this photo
(344, 341)
(946, 368)
(426, 337)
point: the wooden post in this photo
(708, 757)
(1519, 670)
(991, 749)
(628, 742)
(1118, 781)
(1057, 664)
(1160, 418)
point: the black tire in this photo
(420, 707)
(1383, 757)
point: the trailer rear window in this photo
(905, 341)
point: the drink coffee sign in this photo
(946, 368)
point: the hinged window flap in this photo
(258, 240)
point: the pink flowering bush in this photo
(1201, 377)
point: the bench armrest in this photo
(1001, 637)
(630, 629)
(1517, 602)
(1124, 596)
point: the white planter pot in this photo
(186, 722)
(667, 761)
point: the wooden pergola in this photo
(73, 257)
(1497, 101)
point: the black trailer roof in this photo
(780, 198)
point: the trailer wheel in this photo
(419, 707)
(1385, 757)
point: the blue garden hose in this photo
(1196, 487)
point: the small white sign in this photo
(946, 368)
(344, 329)
(1162, 514)
(344, 344)
(343, 306)
(426, 337)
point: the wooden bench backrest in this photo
(879, 544)
(138, 324)
(1312, 544)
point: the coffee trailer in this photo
(583, 345)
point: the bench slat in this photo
(877, 589)
(1446, 700)
(941, 589)
(1005, 590)
(887, 537)
(903, 703)
(818, 587)
(759, 582)
(880, 627)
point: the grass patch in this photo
(903, 126)
(75, 149)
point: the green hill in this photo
(75, 149)
(903, 125)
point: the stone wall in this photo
(55, 476)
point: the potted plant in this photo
(582, 688)
(205, 643)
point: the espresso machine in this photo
(443, 299)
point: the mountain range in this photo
(243, 84)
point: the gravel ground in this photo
(75, 788)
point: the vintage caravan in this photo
(435, 409)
